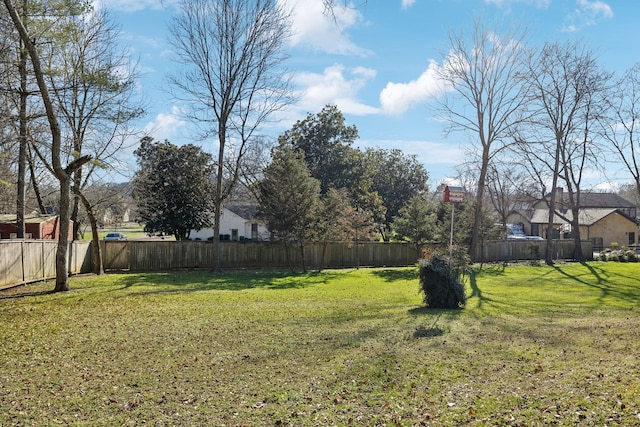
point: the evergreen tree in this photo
(173, 188)
(417, 222)
(290, 199)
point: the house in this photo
(45, 227)
(237, 223)
(603, 218)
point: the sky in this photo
(376, 59)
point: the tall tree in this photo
(289, 199)
(484, 97)
(94, 83)
(232, 52)
(621, 124)
(63, 173)
(567, 93)
(334, 219)
(416, 221)
(18, 89)
(397, 178)
(172, 188)
(326, 142)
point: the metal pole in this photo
(453, 206)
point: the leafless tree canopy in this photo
(567, 92)
(485, 95)
(232, 52)
(621, 124)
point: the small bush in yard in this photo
(441, 282)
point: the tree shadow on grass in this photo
(434, 316)
(22, 292)
(394, 274)
(197, 281)
(602, 281)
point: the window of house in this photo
(632, 238)
(234, 234)
(254, 231)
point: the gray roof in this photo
(585, 216)
(599, 200)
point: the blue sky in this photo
(375, 62)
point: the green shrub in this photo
(631, 256)
(441, 282)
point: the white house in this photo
(234, 226)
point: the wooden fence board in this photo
(11, 263)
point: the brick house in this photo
(46, 227)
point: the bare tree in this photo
(63, 173)
(232, 52)
(94, 89)
(621, 124)
(508, 187)
(484, 98)
(567, 96)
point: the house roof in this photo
(598, 200)
(28, 219)
(604, 200)
(246, 211)
(585, 216)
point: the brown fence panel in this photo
(24, 261)
(115, 255)
(33, 254)
(172, 255)
(517, 250)
(11, 262)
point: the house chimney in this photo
(557, 196)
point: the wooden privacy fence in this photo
(24, 261)
(516, 250)
(172, 255)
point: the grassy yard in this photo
(535, 346)
(132, 230)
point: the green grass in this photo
(535, 346)
(132, 230)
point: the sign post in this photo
(453, 195)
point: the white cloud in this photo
(596, 8)
(542, 4)
(396, 98)
(335, 86)
(133, 5)
(165, 125)
(406, 4)
(587, 13)
(326, 32)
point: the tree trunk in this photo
(323, 255)
(304, 263)
(578, 255)
(218, 198)
(96, 252)
(477, 220)
(62, 272)
(22, 153)
(34, 184)
(75, 210)
(548, 258)
(62, 174)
